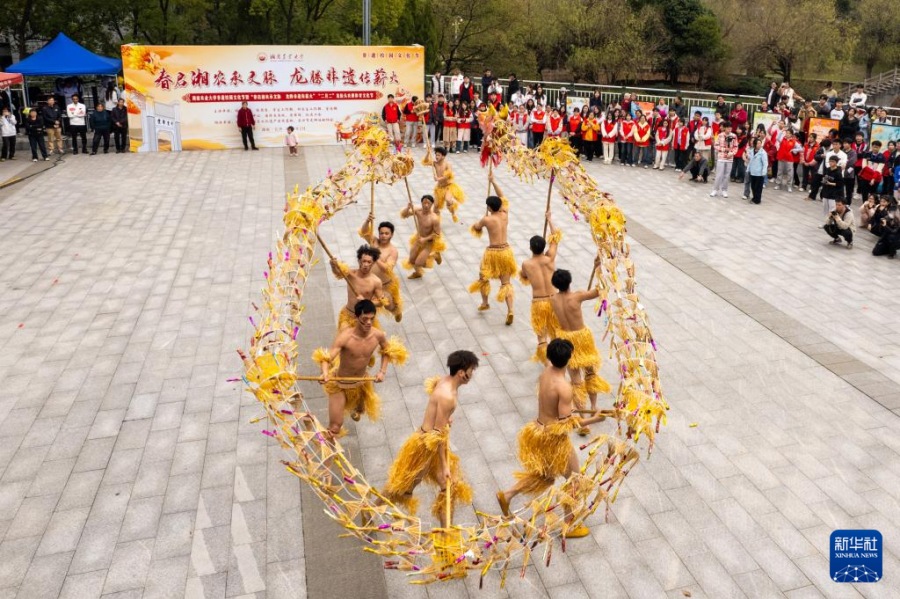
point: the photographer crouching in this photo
(840, 223)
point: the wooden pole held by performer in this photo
(331, 257)
(337, 379)
(549, 194)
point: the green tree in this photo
(706, 50)
(879, 33)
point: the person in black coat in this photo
(34, 127)
(52, 117)
(119, 116)
(512, 88)
(101, 123)
(773, 96)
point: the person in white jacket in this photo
(8, 133)
(703, 138)
(519, 119)
(77, 113)
(455, 83)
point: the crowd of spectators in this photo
(49, 124)
(781, 153)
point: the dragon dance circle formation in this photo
(390, 528)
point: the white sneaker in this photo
(724, 194)
(743, 197)
(790, 190)
(778, 187)
(712, 194)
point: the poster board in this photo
(885, 134)
(646, 108)
(187, 97)
(575, 103)
(766, 119)
(821, 127)
(705, 111)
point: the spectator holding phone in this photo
(840, 224)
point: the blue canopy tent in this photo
(63, 58)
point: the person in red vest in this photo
(574, 129)
(464, 128)
(554, 124)
(626, 140)
(391, 115)
(788, 155)
(681, 144)
(410, 135)
(642, 142)
(663, 143)
(538, 125)
(246, 123)
(450, 125)
(808, 161)
(609, 132)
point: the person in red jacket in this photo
(788, 154)
(808, 160)
(574, 129)
(246, 124)
(412, 123)
(391, 115)
(738, 116)
(642, 134)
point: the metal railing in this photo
(612, 93)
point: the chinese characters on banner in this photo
(188, 96)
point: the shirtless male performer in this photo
(424, 455)
(567, 307)
(446, 191)
(426, 245)
(362, 283)
(498, 261)
(350, 356)
(384, 266)
(545, 451)
(536, 271)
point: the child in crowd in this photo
(290, 140)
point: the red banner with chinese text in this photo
(187, 97)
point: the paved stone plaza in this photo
(129, 466)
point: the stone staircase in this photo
(883, 84)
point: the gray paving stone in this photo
(130, 564)
(83, 586)
(63, 532)
(45, 576)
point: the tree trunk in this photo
(870, 66)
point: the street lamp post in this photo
(367, 22)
